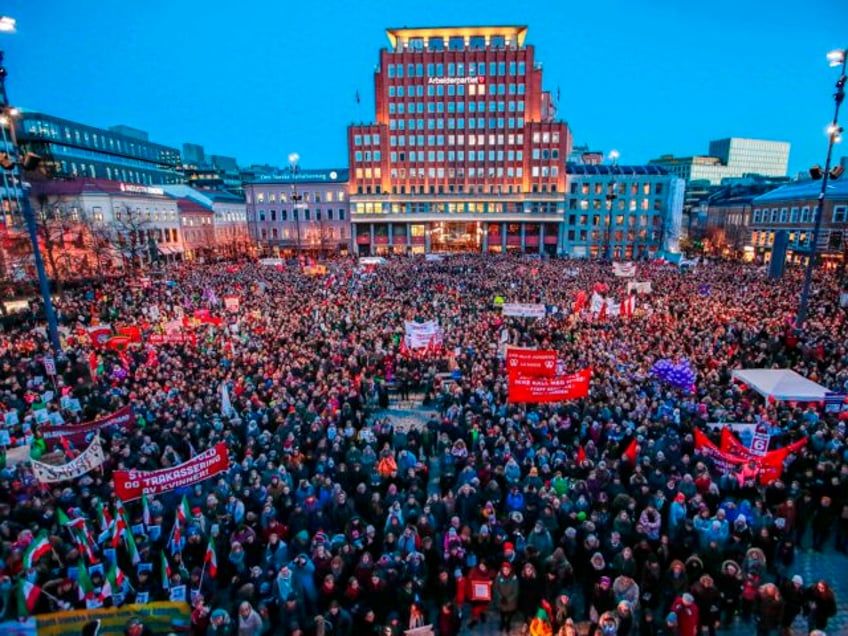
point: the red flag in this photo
(632, 452)
(99, 335)
(93, 365)
(131, 332)
(580, 301)
(118, 343)
(602, 314)
(581, 454)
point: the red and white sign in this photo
(418, 335)
(130, 484)
(539, 362)
(535, 390)
(524, 310)
(232, 303)
(624, 270)
(172, 338)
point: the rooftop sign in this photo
(308, 176)
(456, 80)
(140, 189)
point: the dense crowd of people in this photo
(332, 519)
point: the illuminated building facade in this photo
(466, 152)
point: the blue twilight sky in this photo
(260, 79)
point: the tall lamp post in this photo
(834, 131)
(296, 198)
(16, 167)
(611, 197)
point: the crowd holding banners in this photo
(596, 509)
(130, 485)
(91, 458)
(79, 434)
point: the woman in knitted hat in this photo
(506, 593)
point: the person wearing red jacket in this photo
(479, 574)
(687, 615)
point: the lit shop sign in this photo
(140, 189)
(456, 80)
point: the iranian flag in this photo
(39, 547)
(166, 571)
(211, 558)
(132, 548)
(145, 510)
(183, 511)
(27, 597)
(176, 539)
(104, 519)
(86, 587)
(118, 529)
(114, 582)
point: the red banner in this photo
(557, 389)
(205, 317)
(130, 484)
(81, 434)
(132, 332)
(768, 466)
(172, 338)
(539, 362)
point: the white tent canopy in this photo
(781, 384)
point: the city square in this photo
(470, 377)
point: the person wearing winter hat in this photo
(687, 615)
(793, 594)
(505, 591)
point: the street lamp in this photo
(835, 58)
(296, 198)
(8, 114)
(611, 197)
(16, 168)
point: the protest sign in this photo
(769, 465)
(90, 459)
(531, 361)
(418, 335)
(557, 389)
(639, 288)
(172, 338)
(79, 434)
(624, 270)
(524, 310)
(130, 484)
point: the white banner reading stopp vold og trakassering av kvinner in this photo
(130, 484)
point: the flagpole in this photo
(202, 572)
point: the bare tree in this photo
(61, 235)
(101, 240)
(132, 238)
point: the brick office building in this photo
(466, 152)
